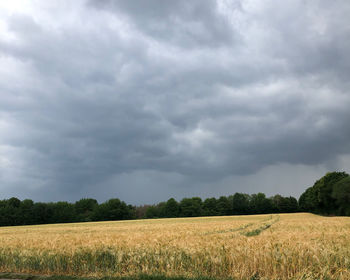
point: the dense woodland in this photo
(329, 196)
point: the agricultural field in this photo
(283, 246)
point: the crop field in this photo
(284, 246)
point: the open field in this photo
(284, 246)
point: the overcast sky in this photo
(147, 100)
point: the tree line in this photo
(16, 212)
(330, 195)
(237, 204)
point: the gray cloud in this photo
(182, 23)
(171, 98)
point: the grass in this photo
(64, 277)
(285, 246)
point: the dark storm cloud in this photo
(171, 98)
(183, 23)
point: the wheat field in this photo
(283, 246)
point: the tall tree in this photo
(341, 194)
(210, 207)
(26, 212)
(42, 213)
(224, 206)
(85, 208)
(260, 204)
(191, 207)
(319, 198)
(241, 204)
(172, 208)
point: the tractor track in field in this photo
(263, 225)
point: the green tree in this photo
(141, 211)
(241, 204)
(172, 208)
(14, 202)
(260, 204)
(42, 213)
(7, 214)
(324, 187)
(62, 212)
(113, 209)
(319, 198)
(161, 209)
(12, 211)
(341, 194)
(191, 207)
(210, 207)
(224, 206)
(85, 208)
(308, 200)
(152, 212)
(282, 204)
(26, 212)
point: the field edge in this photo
(23, 276)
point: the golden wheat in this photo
(285, 246)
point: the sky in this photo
(147, 100)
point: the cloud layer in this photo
(149, 100)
